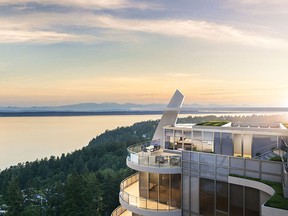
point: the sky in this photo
(225, 52)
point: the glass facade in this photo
(206, 196)
(162, 188)
(164, 184)
(143, 182)
(219, 198)
(178, 140)
(197, 141)
(262, 144)
(227, 144)
(217, 143)
(252, 202)
(153, 186)
(243, 145)
(187, 141)
(201, 172)
(175, 190)
(208, 141)
(169, 139)
(236, 200)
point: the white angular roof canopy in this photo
(170, 115)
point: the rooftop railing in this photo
(147, 155)
(137, 201)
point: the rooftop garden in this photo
(277, 200)
(212, 123)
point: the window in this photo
(206, 197)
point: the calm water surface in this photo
(28, 138)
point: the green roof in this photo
(212, 123)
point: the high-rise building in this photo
(211, 168)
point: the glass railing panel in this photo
(142, 203)
(143, 160)
(154, 160)
(118, 211)
(125, 197)
(133, 200)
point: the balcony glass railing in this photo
(141, 154)
(118, 211)
(129, 193)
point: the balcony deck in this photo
(157, 161)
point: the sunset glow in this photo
(232, 52)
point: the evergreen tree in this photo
(14, 199)
(55, 196)
(95, 194)
(32, 210)
(75, 199)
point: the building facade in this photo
(216, 168)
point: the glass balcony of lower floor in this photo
(130, 199)
(121, 211)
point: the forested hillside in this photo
(85, 182)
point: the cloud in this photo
(259, 7)
(261, 2)
(12, 36)
(92, 4)
(12, 31)
(190, 29)
(58, 25)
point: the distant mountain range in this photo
(88, 107)
(131, 107)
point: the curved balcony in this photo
(130, 199)
(121, 211)
(152, 160)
